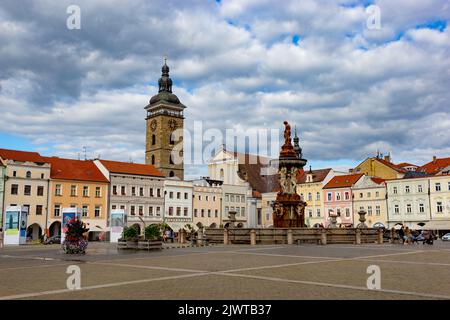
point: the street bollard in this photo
(323, 237)
(225, 237)
(358, 236)
(253, 237)
(380, 236)
(290, 238)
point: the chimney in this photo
(434, 159)
(387, 158)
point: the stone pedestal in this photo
(358, 236)
(200, 237)
(182, 236)
(290, 238)
(253, 237)
(380, 236)
(323, 237)
(226, 239)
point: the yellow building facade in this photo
(382, 168)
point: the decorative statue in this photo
(287, 132)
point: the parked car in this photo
(446, 237)
(53, 240)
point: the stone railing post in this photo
(290, 238)
(182, 236)
(200, 237)
(358, 236)
(323, 237)
(392, 240)
(380, 236)
(253, 237)
(225, 237)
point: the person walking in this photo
(401, 234)
(408, 236)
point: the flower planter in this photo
(75, 247)
(150, 244)
(132, 244)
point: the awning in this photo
(437, 225)
(176, 226)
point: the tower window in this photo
(153, 139)
(153, 159)
(170, 160)
(171, 174)
(171, 140)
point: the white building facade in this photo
(178, 196)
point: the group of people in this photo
(408, 236)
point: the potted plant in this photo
(152, 232)
(131, 236)
(74, 242)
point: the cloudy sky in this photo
(350, 87)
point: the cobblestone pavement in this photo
(228, 272)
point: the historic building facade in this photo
(27, 184)
(207, 203)
(309, 187)
(408, 201)
(136, 188)
(164, 137)
(78, 184)
(380, 167)
(440, 202)
(338, 198)
(178, 203)
(2, 188)
(369, 195)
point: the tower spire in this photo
(165, 83)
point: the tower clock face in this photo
(153, 125)
(172, 124)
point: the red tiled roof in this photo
(318, 175)
(435, 166)
(378, 180)
(391, 165)
(131, 168)
(70, 169)
(22, 156)
(343, 181)
(405, 164)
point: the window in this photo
(338, 196)
(407, 189)
(318, 196)
(153, 139)
(408, 208)
(114, 190)
(123, 191)
(214, 198)
(171, 138)
(153, 159)
(97, 192)
(14, 189)
(57, 190)
(232, 198)
(202, 213)
(361, 195)
(216, 213)
(243, 211)
(185, 212)
(122, 207)
(309, 196)
(242, 199)
(377, 194)
(394, 190)
(178, 195)
(40, 191)
(133, 191)
(347, 212)
(347, 196)
(369, 194)
(207, 198)
(419, 188)
(39, 210)
(28, 174)
(449, 186)
(369, 210)
(171, 194)
(151, 192)
(85, 191)
(133, 210)
(310, 213)
(238, 211)
(14, 173)
(27, 190)
(227, 209)
(158, 211)
(361, 208)
(338, 212)
(396, 209)
(377, 210)
(97, 211)
(209, 213)
(178, 211)
(318, 213)
(421, 208)
(113, 207)
(439, 207)
(141, 191)
(195, 212)
(329, 196)
(84, 211)
(57, 210)
(158, 192)
(42, 176)
(438, 186)
(141, 210)
(227, 198)
(150, 211)
(73, 191)
(170, 159)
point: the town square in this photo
(225, 150)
